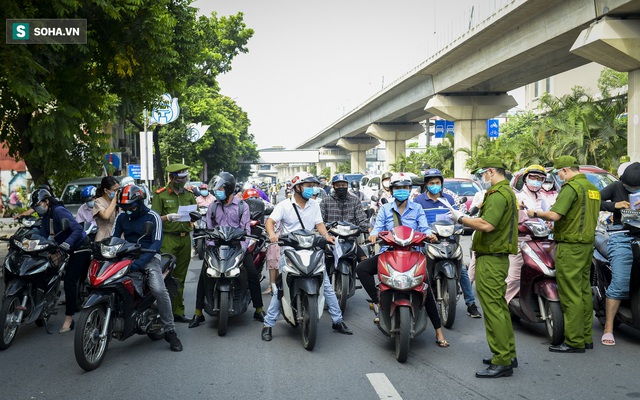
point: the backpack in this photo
(215, 208)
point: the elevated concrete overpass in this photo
(467, 81)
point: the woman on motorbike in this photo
(104, 208)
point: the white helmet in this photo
(304, 177)
(399, 179)
(126, 181)
(623, 167)
(247, 185)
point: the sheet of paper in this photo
(633, 199)
(183, 212)
(445, 202)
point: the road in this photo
(241, 366)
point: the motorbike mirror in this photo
(65, 225)
(369, 212)
(473, 211)
(194, 216)
(147, 230)
(384, 201)
(462, 199)
(374, 199)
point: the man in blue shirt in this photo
(430, 199)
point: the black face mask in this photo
(341, 193)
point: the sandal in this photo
(442, 343)
(608, 339)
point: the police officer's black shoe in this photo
(588, 346)
(495, 371)
(174, 343)
(259, 316)
(181, 319)
(196, 321)
(342, 328)
(266, 334)
(514, 361)
(565, 348)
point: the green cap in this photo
(172, 168)
(565, 162)
(625, 159)
(489, 162)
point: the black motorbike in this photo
(629, 311)
(33, 270)
(199, 227)
(342, 258)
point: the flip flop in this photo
(608, 339)
(442, 343)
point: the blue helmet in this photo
(88, 193)
(433, 173)
(339, 178)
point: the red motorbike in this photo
(402, 271)
(120, 304)
(538, 299)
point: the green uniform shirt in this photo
(579, 204)
(166, 201)
(500, 209)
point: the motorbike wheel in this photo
(554, 322)
(8, 321)
(155, 336)
(341, 287)
(403, 336)
(89, 349)
(223, 314)
(200, 248)
(448, 305)
(309, 320)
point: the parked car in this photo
(462, 187)
(71, 194)
(598, 176)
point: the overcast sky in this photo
(309, 63)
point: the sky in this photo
(309, 63)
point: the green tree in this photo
(345, 168)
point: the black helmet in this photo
(129, 197)
(38, 196)
(433, 173)
(355, 185)
(226, 182)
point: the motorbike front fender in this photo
(15, 287)
(97, 298)
(307, 285)
(547, 289)
(447, 268)
(223, 287)
(344, 267)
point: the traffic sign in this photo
(134, 171)
(440, 126)
(493, 128)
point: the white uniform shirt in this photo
(284, 214)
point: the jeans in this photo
(155, 280)
(620, 256)
(465, 285)
(273, 312)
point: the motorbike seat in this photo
(600, 244)
(166, 260)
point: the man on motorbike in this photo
(85, 212)
(205, 197)
(429, 199)
(355, 191)
(614, 198)
(301, 213)
(227, 213)
(528, 198)
(130, 225)
(401, 211)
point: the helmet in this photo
(400, 179)
(203, 186)
(631, 175)
(303, 177)
(38, 196)
(247, 185)
(339, 178)
(433, 173)
(129, 196)
(250, 193)
(88, 193)
(355, 185)
(127, 180)
(386, 175)
(224, 181)
(535, 169)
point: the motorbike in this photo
(226, 288)
(301, 282)
(402, 272)
(91, 230)
(342, 260)
(629, 310)
(199, 227)
(258, 210)
(33, 270)
(538, 299)
(120, 304)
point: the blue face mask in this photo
(434, 189)
(220, 194)
(316, 190)
(112, 195)
(129, 212)
(307, 193)
(90, 204)
(204, 193)
(401, 194)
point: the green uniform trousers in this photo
(180, 247)
(573, 270)
(491, 272)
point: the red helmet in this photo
(129, 197)
(250, 193)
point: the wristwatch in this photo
(535, 214)
(460, 219)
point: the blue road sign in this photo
(134, 171)
(493, 128)
(440, 126)
(449, 125)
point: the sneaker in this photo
(472, 311)
(174, 343)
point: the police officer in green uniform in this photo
(176, 237)
(575, 213)
(495, 238)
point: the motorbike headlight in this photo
(233, 272)
(117, 275)
(212, 272)
(109, 251)
(402, 280)
(343, 230)
(526, 249)
(538, 229)
(30, 245)
(444, 230)
(29, 222)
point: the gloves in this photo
(455, 214)
(65, 246)
(173, 217)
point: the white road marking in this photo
(383, 387)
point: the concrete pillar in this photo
(358, 149)
(615, 43)
(395, 136)
(470, 114)
(333, 167)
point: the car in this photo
(370, 184)
(71, 194)
(463, 187)
(353, 177)
(599, 177)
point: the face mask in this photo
(401, 194)
(90, 204)
(316, 190)
(385, 185)
(204, 193)
(434, 189)
(341, 193)
(40, 210)
(548, 186)
(129, 212)
(112, 195)
(220, 194)
(307, 193)
(631, 189)
(533, 185)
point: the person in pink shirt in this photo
(205, 197)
